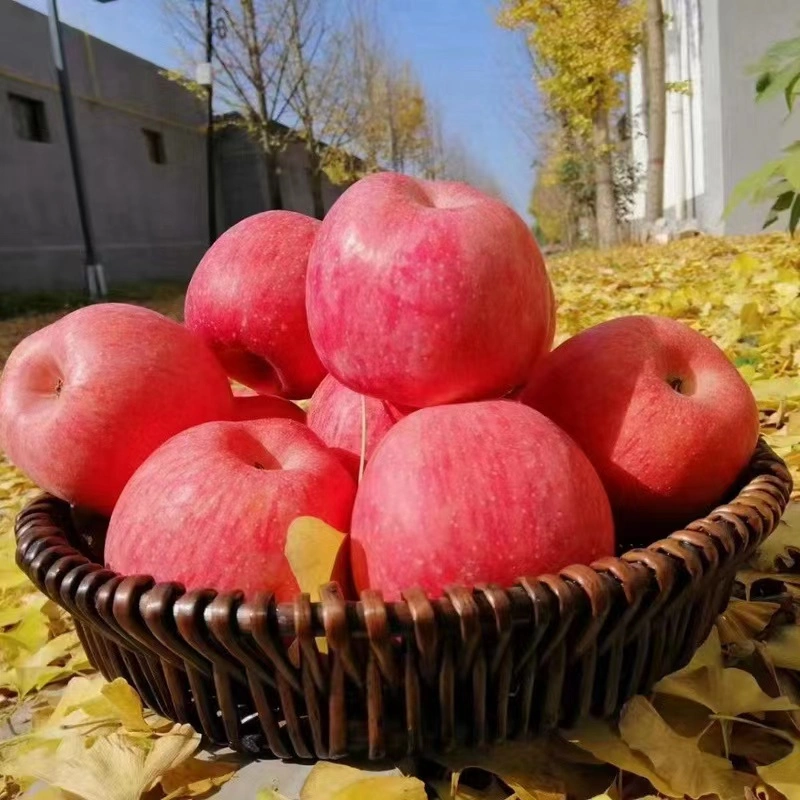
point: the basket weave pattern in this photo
(474, 667)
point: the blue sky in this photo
(475, 71)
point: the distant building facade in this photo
(716, 134)
(142, 142)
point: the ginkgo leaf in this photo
(330, 781)
(784, 775)
(781, 550)
(677, 758)
(312, 549)
(728, 692)
(47, 793)
(602, 741)
(126, 704)
(783, 647)
(14, 611)
(648, 747)
(743, 620)
(748, 578)
(196, 778)
(544, 766)
(773, 390)
(113, 767)
(456, 789)
(25, 678)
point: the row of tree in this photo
(293, 70)
(582, 53)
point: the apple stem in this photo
(59, 387)
(676, 384)
(363, 459)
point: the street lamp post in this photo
(210, 177)
(205, 77)
(94, 274)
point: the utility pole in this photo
(210, 177)
(94, 276)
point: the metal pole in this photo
(210, 178)
(94, 280)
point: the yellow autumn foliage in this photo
(583, 48)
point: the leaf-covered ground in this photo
(728, 725)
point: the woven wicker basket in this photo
(472, 668)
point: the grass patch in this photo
(18, 304)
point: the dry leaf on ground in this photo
(674, 764)
(328, 781)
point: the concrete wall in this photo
(149, 219)
(243, 185)
(717, 135)
(741, 135)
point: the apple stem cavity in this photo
(59, 387)
(676, 384)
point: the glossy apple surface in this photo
(211, 508)
(473, 493)
(246, 299)
(84, 401)
(335, 415)
(426, 292)
(660, 411)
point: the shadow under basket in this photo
(339, 678)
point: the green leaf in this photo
(763, 83)
(783, 202)
(791, 92)
(754, 182)
(794, 217)
(791, 169)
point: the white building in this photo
(716, 134)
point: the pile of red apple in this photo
(419, 317)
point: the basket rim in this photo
(728, 534)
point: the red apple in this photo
(424, 292)
(264, 406)
(659, 410)
(335, 415)
(247, 300)
(85, 400)
(211, 507)
(475, 493)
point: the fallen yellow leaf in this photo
(547, 767)
(784, 775)
(728, 692)
(329, 781)
(783, 647)
(196, 778)
(648, 747)
(781, 550)
(113, 767)
(743, 620)
(312, 547)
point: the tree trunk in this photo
(605, 209)
(316, 184)
(273, 181)
(655, 77)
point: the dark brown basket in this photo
(472, 668)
